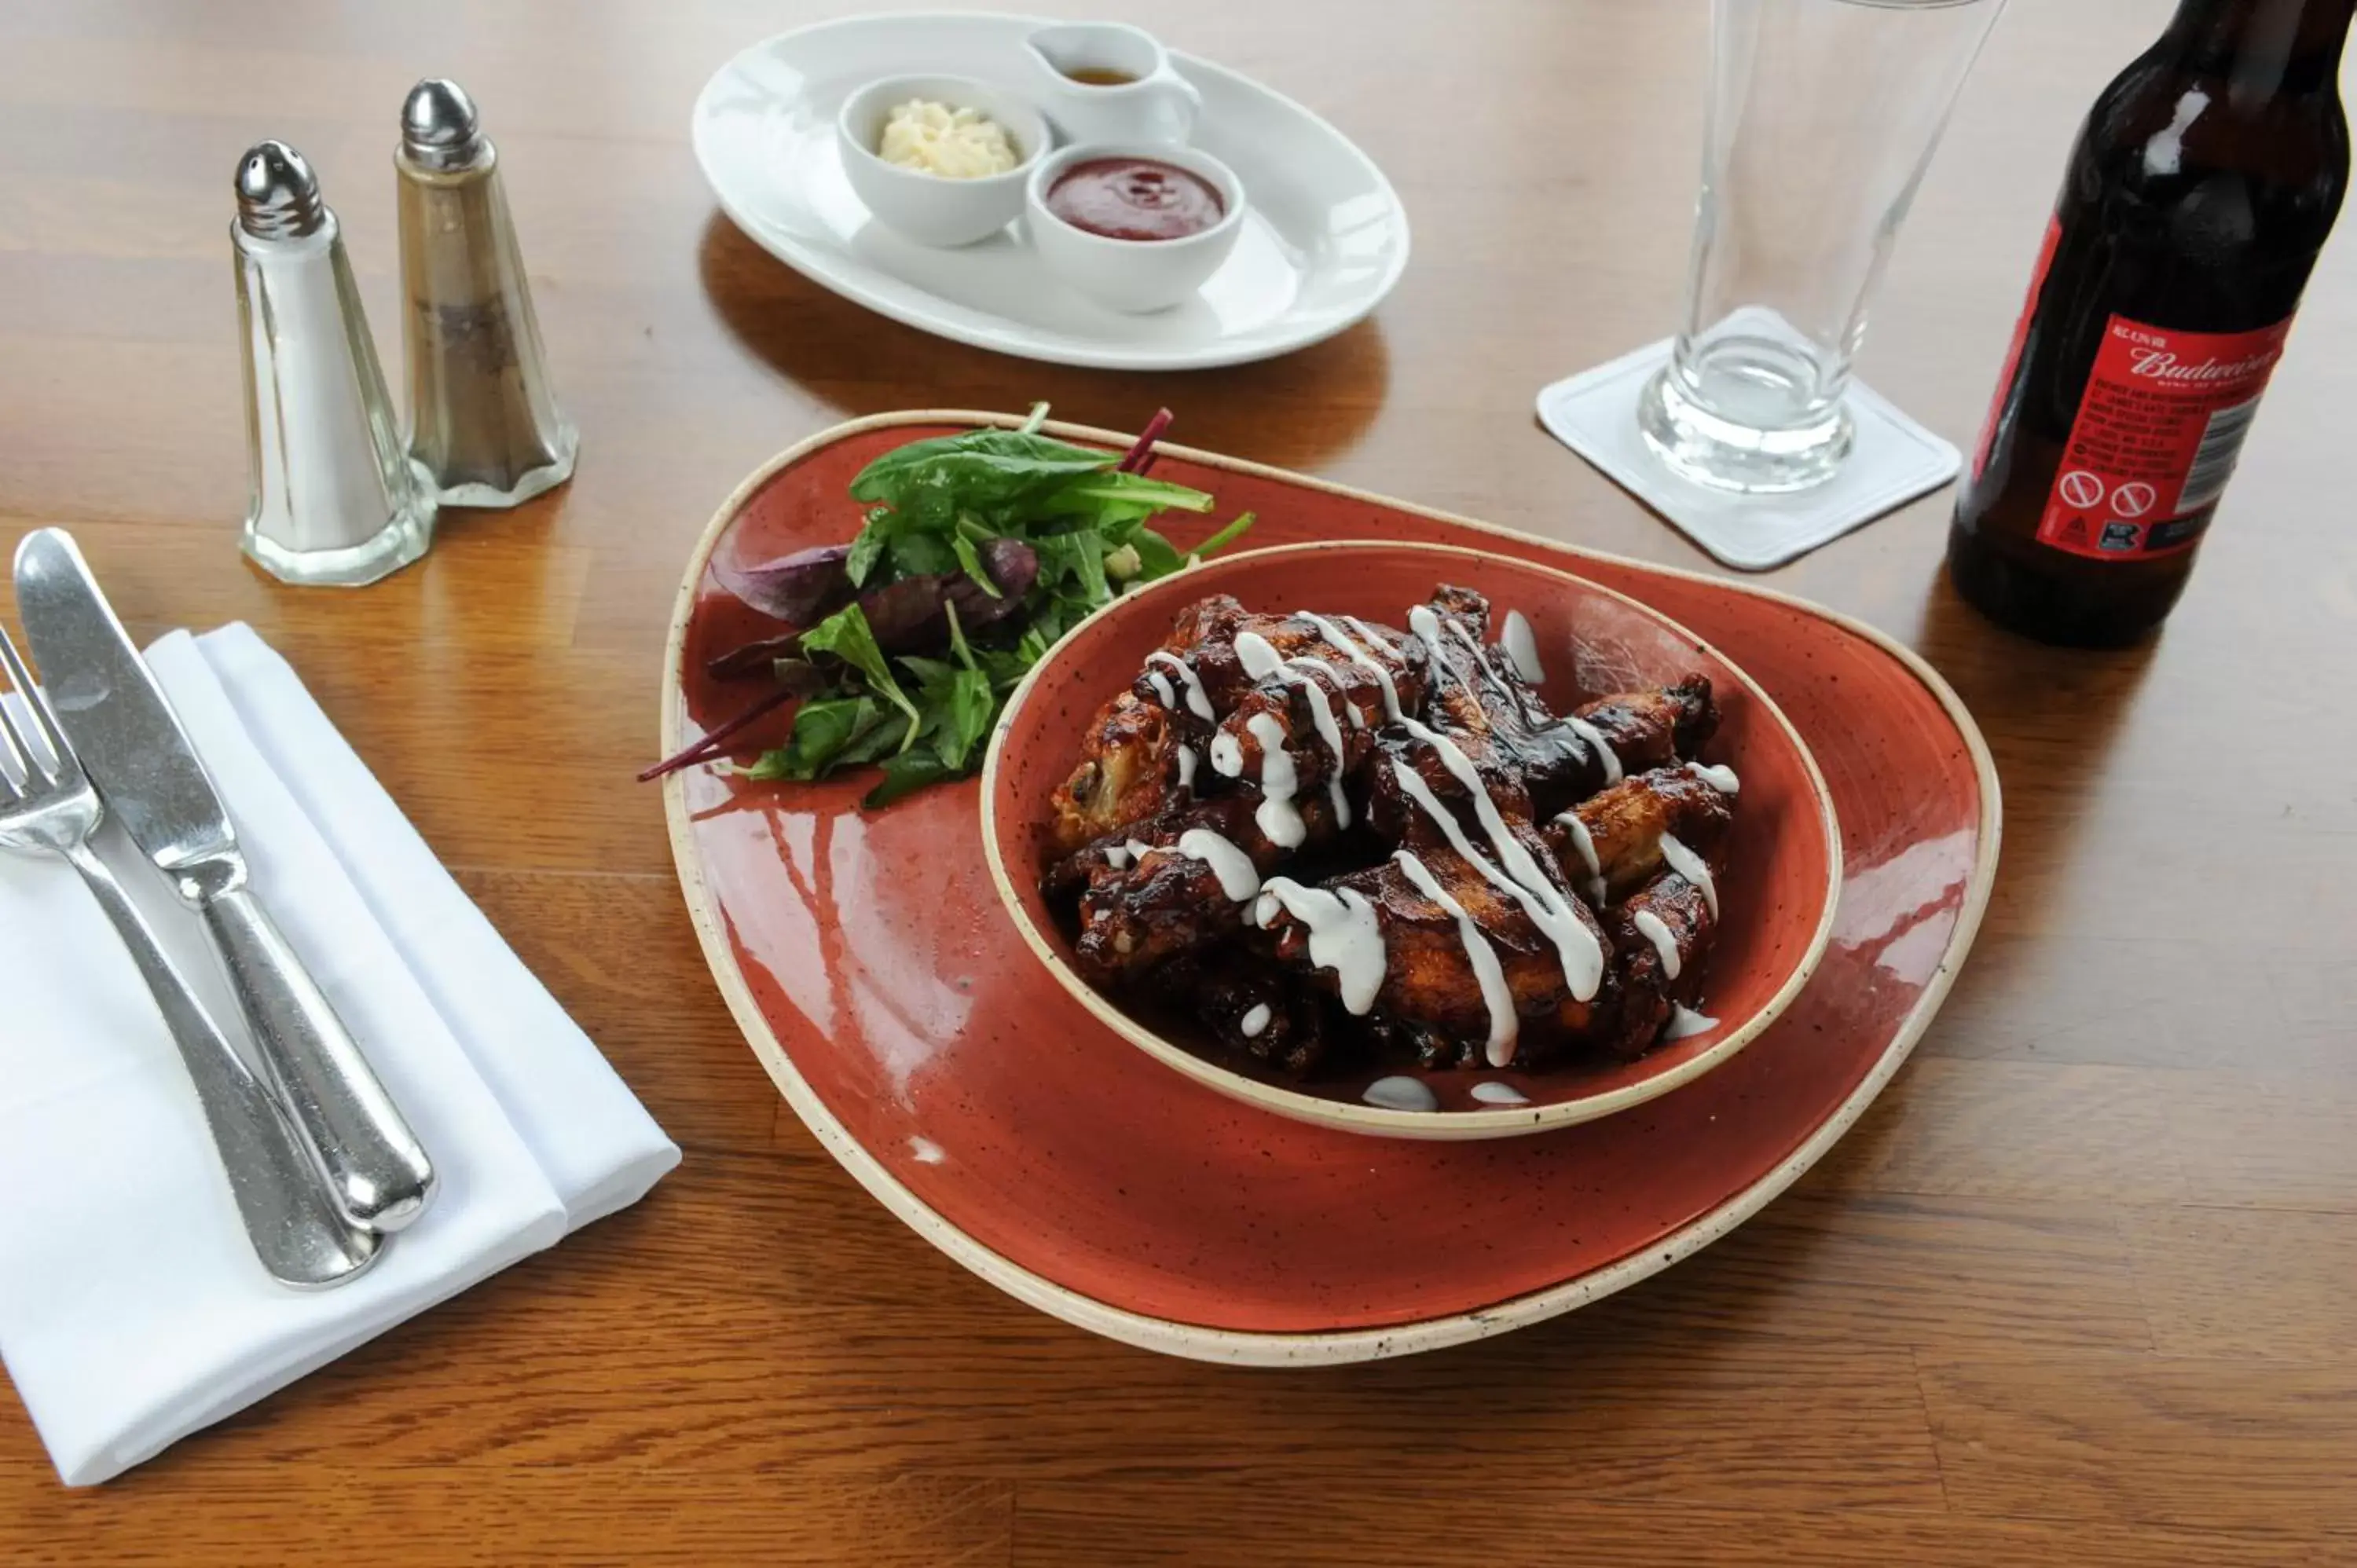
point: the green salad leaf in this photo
(845, 635)
(938, 518)
(830, 733)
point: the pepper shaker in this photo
(483, 428)
(333, 498)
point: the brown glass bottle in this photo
(2202, 185)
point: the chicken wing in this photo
(1129, 768)
(1654, 729)
(1661, 935)
(1184, 884)
(1304, 686)
(1557, 761)
(1473, 970)
(1456, 751)
(1320, 688)
(1612, 840)
(1250, 1006)
(1141, 752)
(1371, 671)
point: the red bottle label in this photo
(2020, 337)
(2156, 439)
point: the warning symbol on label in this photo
(2134, 499)
(2074, 532)
(2081, 488)
(2120, 536)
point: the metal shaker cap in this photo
(277, 194)
(439, 127)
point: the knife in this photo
(144, 767)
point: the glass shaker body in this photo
(483, 429)
(332, 498)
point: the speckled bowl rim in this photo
(1352, 1116)
(1244, 1347)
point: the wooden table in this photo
(2078, 1289)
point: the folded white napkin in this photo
(131, 1310)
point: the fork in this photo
(48, 806)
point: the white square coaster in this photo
(1895, 460)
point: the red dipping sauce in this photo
(1136, 199)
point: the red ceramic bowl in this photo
(1777, 893)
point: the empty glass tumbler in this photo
(1822, 117)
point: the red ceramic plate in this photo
(871, 965)
(1785, 857)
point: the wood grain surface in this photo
(2076, 1292)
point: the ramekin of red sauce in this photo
(1138, 228)
(1136, 199)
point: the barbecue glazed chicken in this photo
(1330, 840)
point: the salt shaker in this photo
(333, 498)
(483, 428)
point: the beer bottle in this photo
(2201, 187)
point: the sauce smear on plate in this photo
(1136, 199)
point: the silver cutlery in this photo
(143, 764)
(47, 806)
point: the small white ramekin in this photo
(1135, 275)
(928, 208)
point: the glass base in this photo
(1746, 379)
(564, 446)
(400, 541)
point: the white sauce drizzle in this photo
(1138, 850)
(1279, 779)
(1362, 659)
(1522, 649)
(1255, 1023)
(1163, 692)
(1594, 738)
(1310, 660)
(1576, 946)
(1692, 867)
(1321, 713)
(1585, 843)
(1117, 857)
(1505, 1027)
(1401, 1093)
(1547, 911)
(1344, 935)
(1494, 1093)
(1197, 702)
(1186, 767)
(1721, 778)
(1231, 866)
(1480, 656)
(1654, 929)
(1422, 622)
(1365, 661)
(1320, 665)
(1259, 659)
(1428, 624)
(1279, 782)
(1684, 1024)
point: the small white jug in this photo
(1107, 82)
